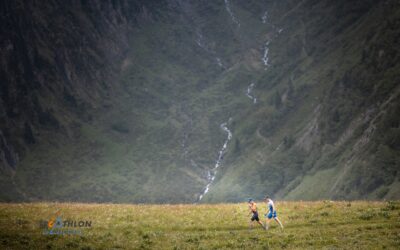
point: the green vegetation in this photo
(325, 125)
(322, 224)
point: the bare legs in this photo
(279, 222)
(276, 219)
(259, 222)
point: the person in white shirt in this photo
(271, 213)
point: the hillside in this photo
(185, 101)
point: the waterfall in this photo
(228, 9)
(250, 94)
(213, 172)
(264, 18)
(219, 62)
(265, 57)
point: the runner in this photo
(253, 210)
(271, 213)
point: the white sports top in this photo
(271, 205)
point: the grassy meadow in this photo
(322, 224)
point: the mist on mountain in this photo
(176, 101)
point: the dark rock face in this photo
(8, 157)
(57, 59)
(124, 99)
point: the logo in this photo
(57, 226)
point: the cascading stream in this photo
(265, 57)
(213, 172)
(219, 62)
(202, 43)
(264, 18)
(229, 10)
(250, 94)
(277, 30)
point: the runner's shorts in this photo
(255, 217)
(271, 215)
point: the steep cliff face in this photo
(123, 100)
(56, 59)
(59, 65)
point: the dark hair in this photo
(267, 196)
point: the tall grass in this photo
(322, 224)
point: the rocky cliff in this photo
(187, 101)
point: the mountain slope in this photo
(124, 101)
(333, 131)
